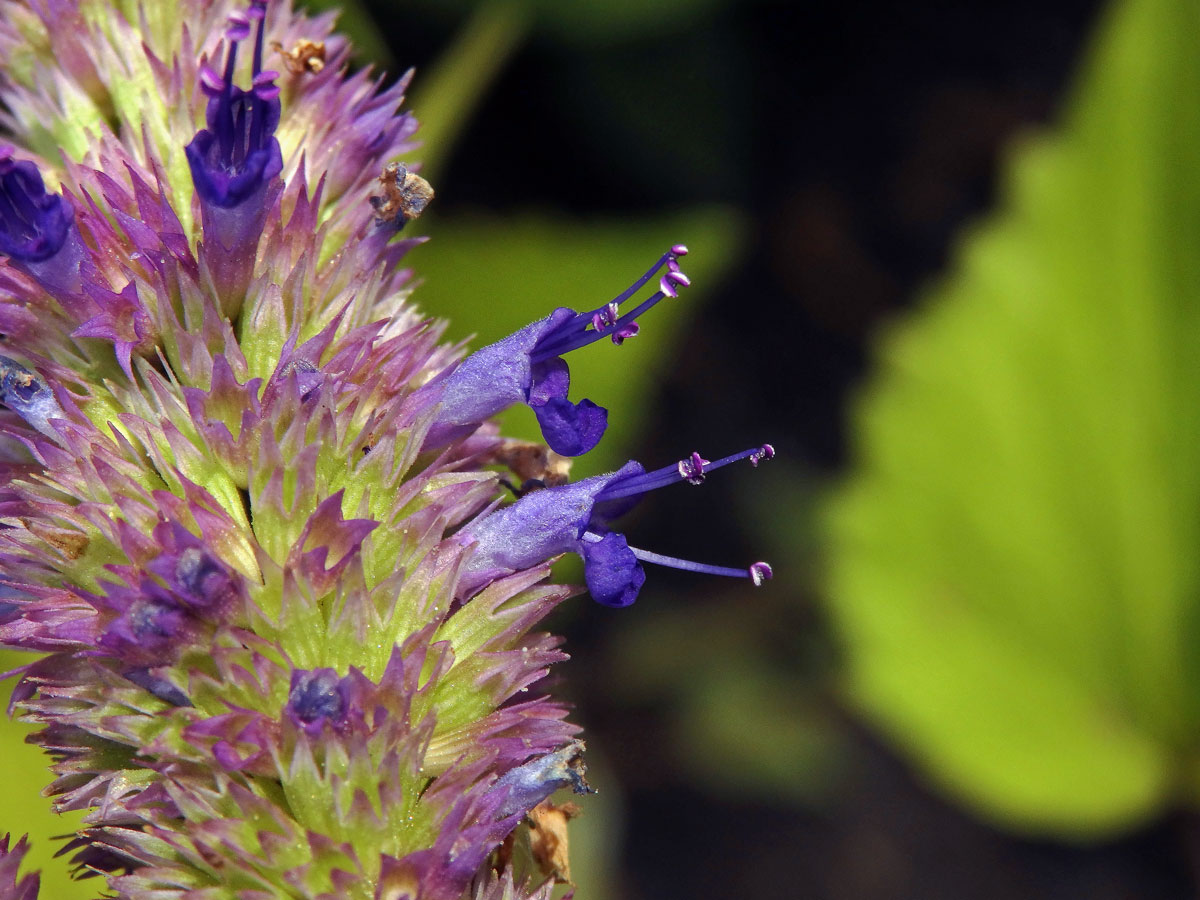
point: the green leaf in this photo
(1014, 559)
(493, 275)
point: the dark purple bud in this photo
(527, 367)
(308, 377)
(202, 577)
(37, 228)
(575, 518)
(152, 619)
(148, 628)
(159, 687)
(316, 697)
(236, 160)
(8, 601)
(34, 224)
(28, 396)
(527, 785)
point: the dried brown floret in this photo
(405, 195)
(305, 56)
(548, 839)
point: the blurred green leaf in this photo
(26, 811)
(1014, 561)
(739, 723)
(493, 275)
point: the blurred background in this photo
(944, 258)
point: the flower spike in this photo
(575, 518)
(236, 160)
(288, 644)
(527, 367)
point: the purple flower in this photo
(575, 518)
(527, 367)
(236, 160)
(37, 228)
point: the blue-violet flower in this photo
(576, 517)
(236, 159)
(527, 367)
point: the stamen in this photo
(264, 85)
(667, 284)
(760, 572)
(757, 573)
(624, 333)
(237, 27)
(210, 82)
(663, 260)
(693, 469)
(574, 333)
(258, 10)
(605, 316)
(261, 83)
(766, 451)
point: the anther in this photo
(691, 469)
(625, 332)
(237, 26)
(766, 451)
(605, 317)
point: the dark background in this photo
(859, 138)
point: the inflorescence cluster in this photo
(251, 511)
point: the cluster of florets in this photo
(248, 500)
